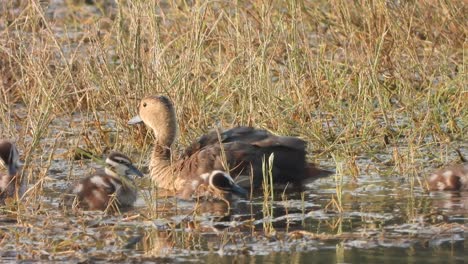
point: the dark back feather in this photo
(241, 133)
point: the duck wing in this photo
(242, 160)
(241, 133)
(243, 151)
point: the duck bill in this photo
(135, 120)
(132, 170)
(236, 189)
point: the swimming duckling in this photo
(97, 192)
(242, 151)
(12, 180)
(450, 178)
(217, 184)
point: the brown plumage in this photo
(450, 178)
(97, 191)
(11, 183)
(217, 184)
(241, 151)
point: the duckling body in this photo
(240, 151)
(11, 182)
(217, 184)
(451, 178)
(97, 191)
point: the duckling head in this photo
(158, 113)
(118, 165)
(10, 156)
(221, 181)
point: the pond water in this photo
(379, 218)
(384, 224)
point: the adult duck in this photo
(242, 151)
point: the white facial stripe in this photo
(115, 169)
(99, 181)
(121, 159)
(224, 174)
(112, 162)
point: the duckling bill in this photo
(96, 192)
(240, 151)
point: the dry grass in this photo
(354, 78)
(347, 77)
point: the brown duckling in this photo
(241, 151)
(450, 178)
(11, 183)
(97, 191)
(218, 184)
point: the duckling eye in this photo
(144, 104)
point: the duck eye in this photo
(144, 104)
